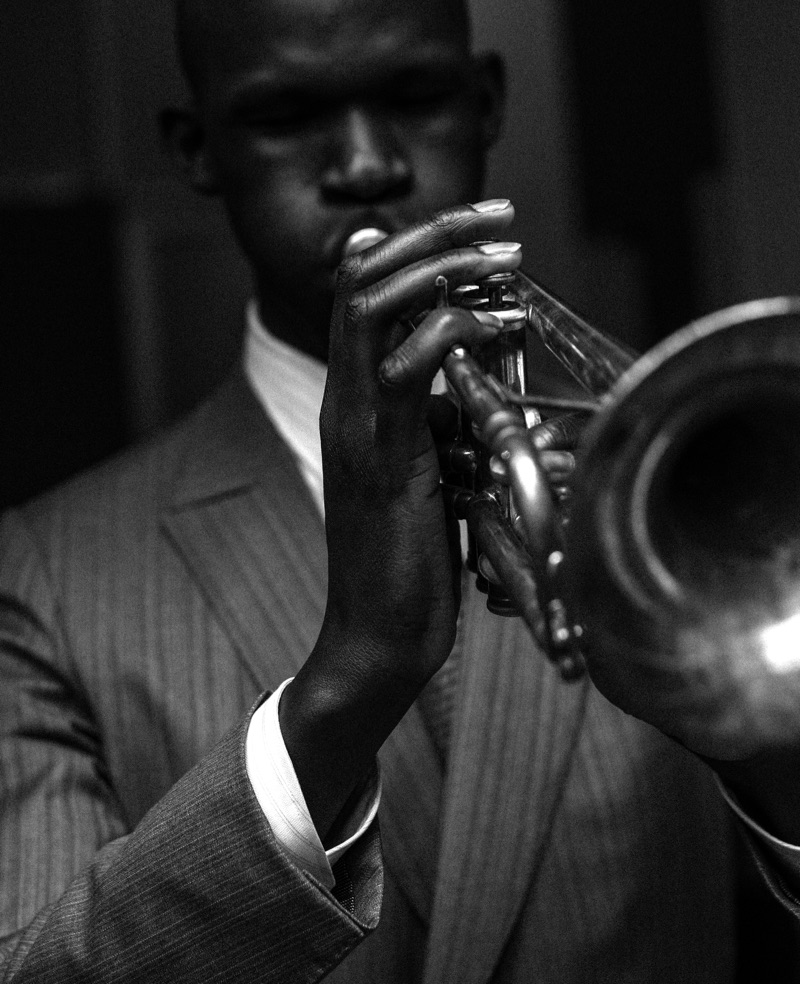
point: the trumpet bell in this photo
(684, 533)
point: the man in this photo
(528, 829)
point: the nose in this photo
(368, 162)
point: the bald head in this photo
(204, 29)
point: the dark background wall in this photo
(652, 151)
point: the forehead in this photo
(298, 40)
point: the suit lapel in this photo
(243, 521)
(515, 729)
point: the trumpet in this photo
(683, 527)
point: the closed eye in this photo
(421, 100)
(425, 90)
(283, 120)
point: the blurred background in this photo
(651, 150)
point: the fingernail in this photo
(485, 318)
(491, 205)
(495, 249)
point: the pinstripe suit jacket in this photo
(145, 606)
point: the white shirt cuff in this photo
(278, 792)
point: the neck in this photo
(297, 324)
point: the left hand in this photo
(728, 693)
(556, 441)
(756, 751)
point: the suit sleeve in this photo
(198, 891)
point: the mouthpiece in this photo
(362, 239)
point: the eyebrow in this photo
(269, 88)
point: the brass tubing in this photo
(502, 429)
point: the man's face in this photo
(321, 117)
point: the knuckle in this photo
(561, 431)
(356, 309)
(349, 274)
(543, 437)
(441, 227)
(441, 221)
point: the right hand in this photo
(392, 605)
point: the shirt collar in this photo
(289, 385)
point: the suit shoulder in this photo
(126, 487)
(118, 508)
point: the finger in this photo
(412, 289)
(559, 465)
(559, 433)
(447, 230)
(414, 363)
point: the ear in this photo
(490, 79)
(184, 137)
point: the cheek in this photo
(257, 188)
(264, 181)
(272, 210)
